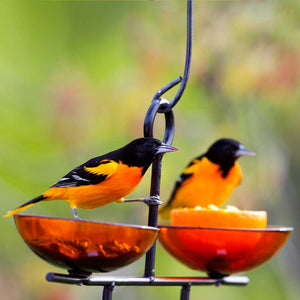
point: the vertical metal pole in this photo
(185, 292)
(107, 291)
(153, 214)
(148, 131)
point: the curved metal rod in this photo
(188, 59)
(167, 87)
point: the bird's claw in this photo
(76, 217)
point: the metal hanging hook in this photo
(159, 105)
(187, 68)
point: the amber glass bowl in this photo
(81, 245)
(221, 251)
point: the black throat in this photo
(225, 165)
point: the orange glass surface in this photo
(85, 245)
(222, 251)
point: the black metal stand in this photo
(158, 105)
(156, 172)
(107, 291)
(185, 292)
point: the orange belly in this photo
(206, 186)
(117, 186)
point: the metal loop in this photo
(156, 106)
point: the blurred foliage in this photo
(76, 79)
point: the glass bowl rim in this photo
(269, 228)
(90, 221)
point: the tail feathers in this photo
(25, 205)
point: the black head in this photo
(225, 152)
(142, 152)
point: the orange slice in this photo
(215, 217)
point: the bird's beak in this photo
(165, 148)
(243, 151)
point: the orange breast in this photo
(117, 186)
(206, 186)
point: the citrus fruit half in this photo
(215, 217)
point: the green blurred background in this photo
(76, 79)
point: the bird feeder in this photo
(85, 247)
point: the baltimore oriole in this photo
(104, 179)
(209, 179)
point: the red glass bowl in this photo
(224, 251)
(80, 245)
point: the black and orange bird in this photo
(104, 179)
(209, 179)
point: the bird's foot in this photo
(75, 214)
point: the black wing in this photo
(93, 171)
